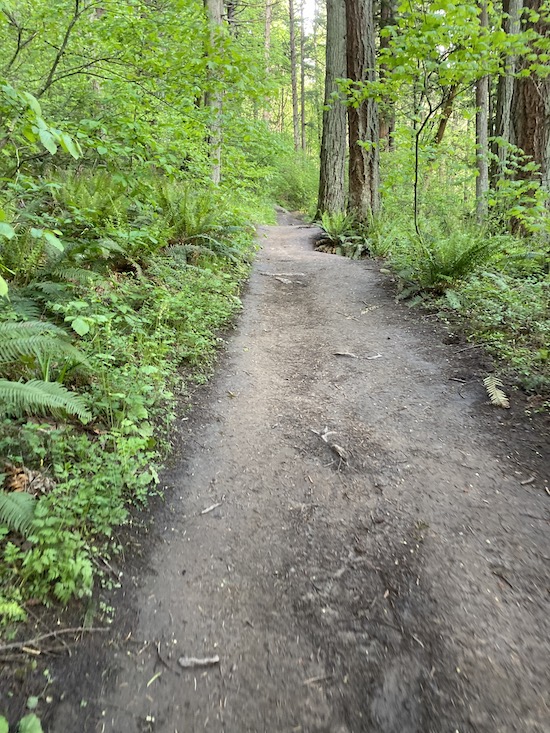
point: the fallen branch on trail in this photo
(26, 644)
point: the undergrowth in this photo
(113, 314)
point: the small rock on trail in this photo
(395, 584)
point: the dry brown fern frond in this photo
(496, 395)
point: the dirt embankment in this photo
(349, 527)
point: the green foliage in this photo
(510, 314)
(295, 182)
(344, 234)
(440, 262)
(17, 511)
(36, 397)
(38, 339)
(28, 724)
(135, 327)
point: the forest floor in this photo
(348, 525)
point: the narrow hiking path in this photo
(351, 531)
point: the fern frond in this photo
(14, 329)
(26, 309)
(35, 338)
(79, 275)
(38, 397)
(453, 299)
(496, 395)
(17, 511)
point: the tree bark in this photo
(332, 195)
(482, 133)
(214, 99)
(267, 45)
(446, 113)
(387, 113)
(302, 77)
(530, 109)
(363, 122)
(294, 76)
(505, 90)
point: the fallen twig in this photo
(471, 346)
(321, 678)
(211, 508)
(190, 662)
(24, 645)
(340, 452)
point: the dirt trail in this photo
(372, 561)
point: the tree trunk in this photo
(302, 76)
(294, 76)
(530, 109)
(332, 195)
(214, 99)
(267, 45)
(482, 133)
(364, 177)
(505, 89)
(387, 113)
(446, 113)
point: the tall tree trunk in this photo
(267, 44)
(364, 176)
(530, 112)
(482, 133)
(332, 195)
(214, 99)
(302, 77)
(387, 113)
(505, 90)
(294, 76)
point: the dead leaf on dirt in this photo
(21, 478)
(496, 395)
(345, 353)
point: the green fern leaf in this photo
(496, 395)
(17, 511)
(38, 397)
(35, 338)
(453, 299)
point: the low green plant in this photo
(434, 264)
(342, 231)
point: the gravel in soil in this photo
(352, 539)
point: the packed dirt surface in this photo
(353, 539)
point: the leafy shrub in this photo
(436, 264)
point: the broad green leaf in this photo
(54, 241)
(69, 145)
(102, 150)
(36, 233)
(47, 140)
(3, 293)
(30, 724)
(32, 702)
(80, 326)
(4, 727)
(6, 230)
(33, 103)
